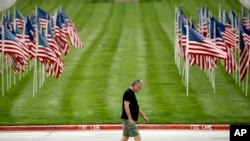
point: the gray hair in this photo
(136, 82)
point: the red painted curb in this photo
(115, 127)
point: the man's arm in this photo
(146, 120)
(127, 110)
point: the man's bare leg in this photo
(124, 138)
(137, 137)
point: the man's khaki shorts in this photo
(129, 130)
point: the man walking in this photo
(131, 111)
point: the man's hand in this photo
(146, 120)
(130, 121)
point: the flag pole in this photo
(248, 53)
(246, 87)
(177, 45)
(187, 60)
(6, 58)
(43, 65)
(220, 12)
(184, 72)
(212, 72)
(39, 73)
(35, 65)
(236, 54)
(2, 57)
(246, 84)
(14, 76)
(238, 74)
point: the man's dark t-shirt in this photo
(129, 95)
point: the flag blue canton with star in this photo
(195, 36)
(42, 40)
(214, 30)
(242, 44)
(9, 36)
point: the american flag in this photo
(51, 40)
(183, 35)
(228, 33)
(30, 31)
(71, 30)
(246, 35)
(204, 62)
(7, 22)
(16, 32)
(42, 17)
(16, 65)
(60, 36)
(45, 54)
(202, 21)
(244, 57)
(21, 41)
(245, 21)
(20, 19)
(29, 38)
(200, 45)
(58, 67)
(216, 36)
(33, 19)
(12, 47)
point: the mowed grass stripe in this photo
(161, 77)
(62, 103)
(128, 63)
(13, 100)
(169, 80)
(23, 6)
(138, 44)
(166, 11)
(108, 47)
(105, 46)
(86, 13)
(207, 103)
(144, 99)
(86, 69)
(75, 11)
(74, 62)
(226, 90)
(8, 101)
(172, 87)
(159, 61)
(76, 59)
(26, 7)
(47, 107)
(50, 7)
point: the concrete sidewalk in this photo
(104, 132)
(115, 135)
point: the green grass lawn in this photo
(123, 42)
